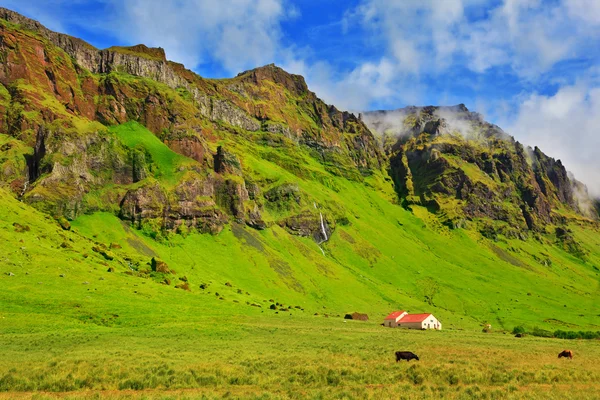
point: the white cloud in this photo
(239, 35)
(355, 90)
(530, 36)
(414, 30)
(588, 10)
(565, 126)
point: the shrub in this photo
(518, 329)
(542, 333)
(576, 335)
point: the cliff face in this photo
(288, 107)
(127, 131)
(234, 102)
(465, 169)
(59, 95)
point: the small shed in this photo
(357, 316)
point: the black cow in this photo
(406, 355)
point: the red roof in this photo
(414, 318)
(395, 315)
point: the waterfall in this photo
(320, 248)
(24, 188)
(322, 224)
(323, 227)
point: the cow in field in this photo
(566, 353)
(406, 355)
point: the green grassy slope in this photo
(166, 162)
(383, 258)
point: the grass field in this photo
(289, 357)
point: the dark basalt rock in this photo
(160, 266)
(226, 162)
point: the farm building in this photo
(391, 321)
(402, 319)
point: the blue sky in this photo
(531, 66)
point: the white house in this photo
(402, 319)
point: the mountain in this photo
(465, 169)
(254, 189)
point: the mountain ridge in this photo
(541, 182)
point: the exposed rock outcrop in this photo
(140, 61)
(189, 205)
(309, 224)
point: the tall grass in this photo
(292, 358)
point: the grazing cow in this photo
(566, 353)
(406, 355)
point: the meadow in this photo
(297, 357)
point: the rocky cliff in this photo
(59, 96)
(465, 169)
(125, 130)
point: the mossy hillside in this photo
(66, 165)
(169, 113)
(285, 104)
(162, 162)
(13, 165)
(534, 259)
(332, 195)
(164, 111)
(481, 178)
(32, 99)
(36, 61)
(395, 271)
(363, 222)
(155, 54)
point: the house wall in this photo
(430, 323)
(411, 325)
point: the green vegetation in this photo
(72, 328)
(167, 164)
(577, 335)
